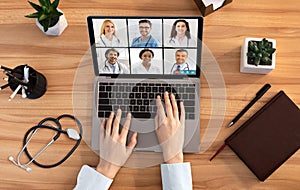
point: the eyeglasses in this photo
(146, 27)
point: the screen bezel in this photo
(94, 53)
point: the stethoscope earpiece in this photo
(11, 158)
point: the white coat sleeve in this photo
(176, 176)
(89, 179)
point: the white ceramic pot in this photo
(260, 69)
(57, 29)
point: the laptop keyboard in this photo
(140, 99)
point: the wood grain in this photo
(59, 57)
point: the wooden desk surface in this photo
(58, 57)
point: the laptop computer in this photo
(136, 59)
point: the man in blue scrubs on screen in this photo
(146, 39)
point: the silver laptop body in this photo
(136, 92)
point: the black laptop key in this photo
(131, 95)
(108, 88)
(138, 95)
(146, 102)
(103, 95)
(161, 89)
(132, 102)
(168, 89)
(105, 108)
(151, 95)
(139, 102)
(173, 90)
(135, 89)
(142, 108)
(136, 108)
(100, 114)
(144, 95)
(107, 114)
(141, 89)
(130, 108)
(103, 101)
(101, 88)
(177, 96)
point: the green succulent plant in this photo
(260, 53)
(47, 13)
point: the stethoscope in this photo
(141, 38)
(187, 68)
(72, 134)
(105, 43)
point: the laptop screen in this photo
(154, 46)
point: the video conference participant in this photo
(180, 34)
(112, 65)
(108, 36)
(146, 67)
(146, 39)
(181, 64)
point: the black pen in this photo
(5, 68)
(259, 94)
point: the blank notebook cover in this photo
(269, 137)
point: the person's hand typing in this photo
(170, 128)
(113, 150)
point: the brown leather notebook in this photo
(269, 137)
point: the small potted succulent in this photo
(49, 18)
(258, 55)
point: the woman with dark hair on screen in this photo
(180, 34)
(108, 36)
(146, 55)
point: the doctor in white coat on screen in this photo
(146, 67)
(112, 65)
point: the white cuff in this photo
(176, 176)
(89, 179)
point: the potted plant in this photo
(258, 55)
(49, 18)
